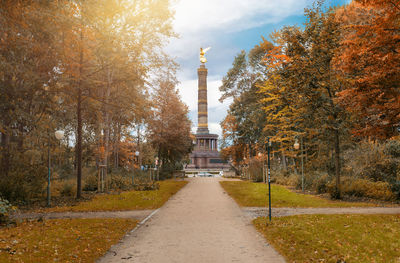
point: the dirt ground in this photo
(200, 223)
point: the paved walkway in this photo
(254, 212)
(200, 223)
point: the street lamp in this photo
(297, 146)
(59, 135)
(269, 180)
(263, 166)
(133, 172)
(158, 175)
(137, 156)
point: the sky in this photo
(227, 26)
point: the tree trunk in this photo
(116, 144)
(78, 149)
(337, 163)
(20, 137)
(5, 158)
(284, 159)
(107, 121)
(140, 153)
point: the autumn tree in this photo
(244, 123)
(80, 66)
(370, 62)
(27, 63)
(170, 127)
(112, 47)
(302, 87)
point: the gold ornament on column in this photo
(202, 53)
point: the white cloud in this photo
(234, 15)
(201, 23)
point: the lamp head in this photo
(296, 145)
(59, 134)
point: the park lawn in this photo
(61, 240)
(129, 200)
(329, 238)
(255, 194)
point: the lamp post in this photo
(59, 135)
(158, 177)
(263, 167)
(137, 153)
(297, 146)
(269, 180)
(133, 174)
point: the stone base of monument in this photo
(205, 155)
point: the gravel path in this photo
(135, 214)
(200, 223)
(254, 212)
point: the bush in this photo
(320, 184)
(90, 183)
(392, 148)
(24, 183)
(147, 186)
(395, 187)
(167, 170)
(68, 189)
(285, 179)
(374, 161)
(119, 182)
(5, 209)
(256, 170)
(385, 170)
(362, 188)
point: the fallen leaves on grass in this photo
(255, 194)
(129, 200)
(330, 238)
(61, 240)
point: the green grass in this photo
(61, 240)
(130, 200)
(328, 238)
(255, 194)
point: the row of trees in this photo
(331, 84)
(84, 67)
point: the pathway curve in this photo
(201, 223)
(254, 212)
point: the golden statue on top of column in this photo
(202, 53)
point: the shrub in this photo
(147, 186)
(5, 209)
(374, 161)
(362, 188)
(392, 148)
(24, 183)
(395, 187)
(285, 179)
(320, 184)
(90, 183)
(256, 170)
(119, 182)
(68, 189)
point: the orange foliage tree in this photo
(370, 60)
